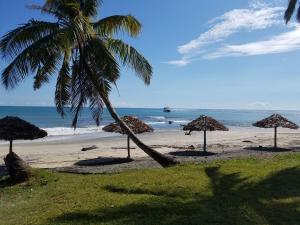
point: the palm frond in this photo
(29, 60)
(111, 25)
(64, 11)
(96, 106)
(130, 57)
(46, 70)
(290, 10)
(90, 7)
(22, 37)
(298, 14)
(78, 90)
(92, 71)
(76, 108)
(46, 10)
(83, 29)
(101, 62)
(62, 91)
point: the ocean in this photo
(47, 118)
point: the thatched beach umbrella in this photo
(204, 123)
(136, 125)
(14, 128)
(275, 121)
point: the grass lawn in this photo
(234, 192)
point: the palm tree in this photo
(290, 11)
(83, 53)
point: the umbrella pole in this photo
(204, 145)
(10, 146)
(128, 147)
(275, 138)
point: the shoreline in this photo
(66, 151)
(104, 135)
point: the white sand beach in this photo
(64, 151)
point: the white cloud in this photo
(232, 22)
(257, 4)
(258, 16)
(180, 62)
(285, 42)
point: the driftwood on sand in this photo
(89, 148)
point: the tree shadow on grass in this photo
(141, 191)
(103, 161)
(234, 201)
(3, 170)
(192, 153)
(5, 180)
(269, 149)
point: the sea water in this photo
(49, 119)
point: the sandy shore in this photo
(53, 152)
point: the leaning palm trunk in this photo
(163, 160)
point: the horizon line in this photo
(188, 108)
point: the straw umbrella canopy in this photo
(275, 121)
(136, 125)
(205, 123)
(14, 128)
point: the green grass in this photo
(234, 192)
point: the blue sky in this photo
(205, 54)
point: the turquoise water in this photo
(47, 117)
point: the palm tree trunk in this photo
(275, 138)
(204, 145)
(10, 146)
(163, 160)
(128, 147)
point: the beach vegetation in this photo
(234, 192)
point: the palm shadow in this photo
(5, 180)
(192, 153)
(234, 200)
(269, 149)
(103, 161)
(3, 170)
(141, 191)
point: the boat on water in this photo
(167, 109)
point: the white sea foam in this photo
(167, 121)
(157, 117)
(153, 123)
(181, 121)
(62, 131)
